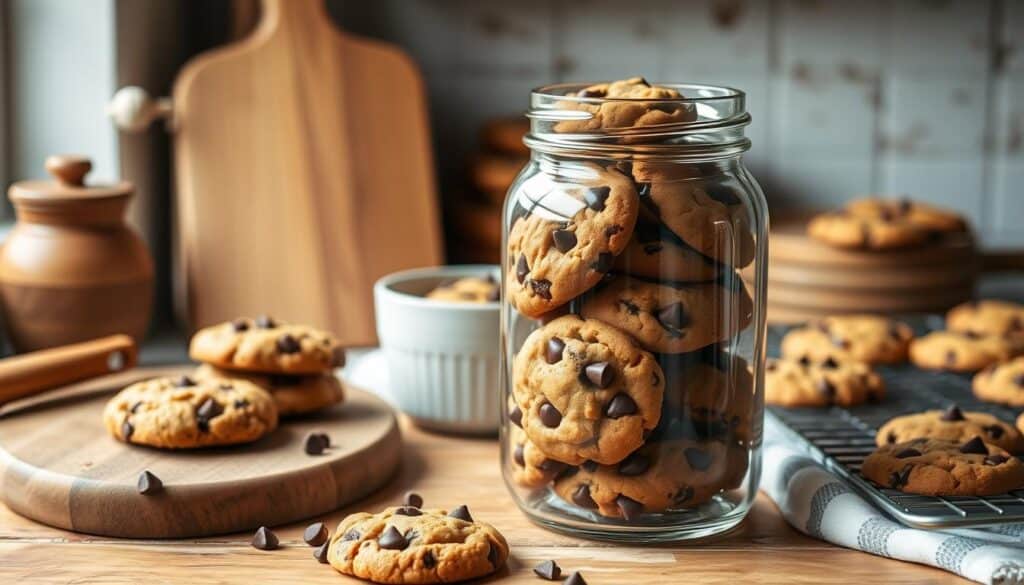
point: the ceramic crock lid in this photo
(68, 185)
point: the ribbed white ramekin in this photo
(442, 357)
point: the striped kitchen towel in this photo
(820, 504)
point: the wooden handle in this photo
(1003, 261)
(69, 170)
(39, 371)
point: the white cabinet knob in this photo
(132, 109)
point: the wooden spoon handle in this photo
(36, 372)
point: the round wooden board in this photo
(59, 466)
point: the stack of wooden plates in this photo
(808, 279)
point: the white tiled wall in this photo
(923, 97)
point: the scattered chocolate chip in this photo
(413, 499)
(462, 513)
(953, 413)
(493, 555)
(575, 579)
(548, 570)
(620, 405)
(595, 197)
(209, 409)
(264, 539)
(519, 456)
(994, 431)
(974, 447)
(184, 382)
(429, 562)
(315, 534)
(673, 316)
(149, 484)
(996, 459)
(350, 535)
(635, 464)
(127, 430)
(553, 355)
(582, 498)
(392, 539)
(516, 416)
(265, 322)
(408, 511)
(600, 374)
(320, 552)
(908, 453)
(315, 443)
(899, 478)
(564, 240)
(589, 465)
(549, 415)
(629, 507)
(287, 344)
(830, 363)
(522, 269)
(603, 263)
(698, 459)
(541, 288)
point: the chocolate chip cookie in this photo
(712, 397)
(805, 383)
(657, 477)
(671, 317)
(709, 217)
(625, 104)
(657, 253)
(569, 240)
(1001, 383)
(867, 338)
(470, 289)
(962, 352)
(183, 413)
(408, 545)
(929, 217)
(954, 425)
(266, 345)
(586, 391)
(988, 317)
(531, 468)
(843, 229)
(292, 394)
(936, 467)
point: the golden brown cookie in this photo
(987, 317)
(586, 391)
(936, 467)
(951, 424)
(184, 413)
(531, 468)
(1001, 383)
(867, 338)
(929, 217)
(804, 383)
(962, 352)
(625, 104)
(570, 239)
(657, 253)
(845, 230)
(266, 345)
(292, 394)
(407, 545)
(469, 289)
(671, 317)
(715, 396)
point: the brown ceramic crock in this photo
(71, 269)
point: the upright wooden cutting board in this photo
(304, 173)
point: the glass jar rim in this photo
(689, 92)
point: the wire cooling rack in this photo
(842, 437)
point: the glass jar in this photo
(632, 350)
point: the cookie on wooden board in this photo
(293, 395)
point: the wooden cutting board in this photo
(304, 172)
(59, 466)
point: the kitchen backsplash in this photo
(920, 97)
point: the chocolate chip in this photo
(771, 365)
(429, 562)
(603, 263)
(288, 344)
(582, 498)
(548, 570)
(552, 467)
(240, 325)
(518, 456)
(642, 81)
(635, 464)
(908, 453)
(575, 579)
(595, 197)
(203, 425)
(522, 269)
(996, 459)
(516, 416)
(804, 361)
(408, 511)
(149, 484)
(184, 382)
(209, 409)
(974, 447)
(553, 355)
(541, 288)
(462, 513)
(315, 443)
(698, 459)
(135, 407)
(241, 403)
(549, 415)
(320, 552)
(620, 405)
(564, 240)
(264, 539)
(392, 539)
(493, 555)
(994, 431)
(265, 322)
(899, 478)
(629, 507)
(953, 413)
(413, 499)
(600, 374)
(350, 535)
(826, 388)
(589, 465)
(891, 438)
(127, 430)
(315, 534)
(973, 334)
(673, 316)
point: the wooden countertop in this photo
(446, 472)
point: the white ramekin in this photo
(442, 357)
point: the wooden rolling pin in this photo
(42, 370)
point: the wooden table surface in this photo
(446, 472)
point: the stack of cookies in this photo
(883, 224)
(627, 398)
(255, 370)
